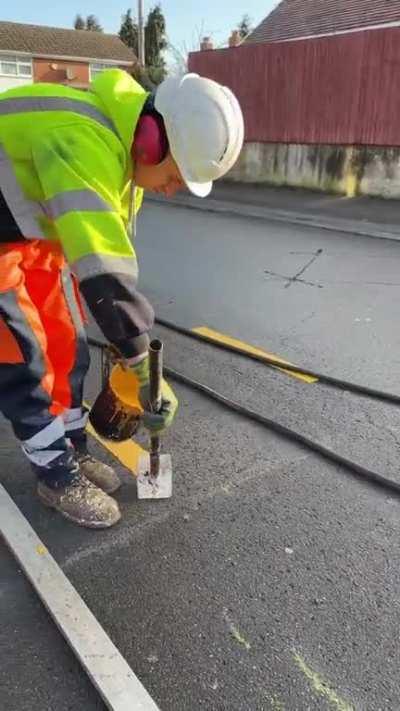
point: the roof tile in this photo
(55, 41)
(303, 18)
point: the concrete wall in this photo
(347, 170)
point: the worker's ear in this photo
(150, 143)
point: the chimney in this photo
(206, 44)
(235, 39)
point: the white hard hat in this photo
(205, 129)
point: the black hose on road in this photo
(268, 360)
(356, 469)
(360, 471)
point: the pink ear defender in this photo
(150, 144)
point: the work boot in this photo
(82, 502)
(100, 474)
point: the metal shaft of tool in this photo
(156, 368)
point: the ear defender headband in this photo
(150, 143)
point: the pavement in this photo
(365, 216)
(270, 581)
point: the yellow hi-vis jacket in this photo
(66, 175)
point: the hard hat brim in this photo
(201, 190)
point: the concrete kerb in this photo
(354, 227)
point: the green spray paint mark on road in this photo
(235, 632)
(239, 637)
(276, 705)
(320, 686)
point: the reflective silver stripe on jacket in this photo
(24, 104)
(24, 211)
(96, 264)
(28, 212)
(75, 201)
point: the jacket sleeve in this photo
(83, 178)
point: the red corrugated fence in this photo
(332, 90)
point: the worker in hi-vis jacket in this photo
(73, 167)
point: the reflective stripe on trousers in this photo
(43, 351)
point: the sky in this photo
(186, 19)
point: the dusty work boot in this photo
(100, 474)
(82, 502)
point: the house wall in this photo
(54, 70)
(11, 82)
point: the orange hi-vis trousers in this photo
(44, 355)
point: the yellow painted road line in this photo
(247, 348)
(127, 453)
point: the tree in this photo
(156, 42)
(79, 23)
(180, 59)
(92, 24)
(245, 26)
(180, 53)
(128, 32)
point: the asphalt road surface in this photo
(271, 579)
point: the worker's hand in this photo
(155, 422)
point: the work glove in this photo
(155, 422)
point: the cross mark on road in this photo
(296, 278)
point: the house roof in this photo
(305, 18)
(57, 42)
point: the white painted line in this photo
(113, 678)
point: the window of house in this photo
(98, 67)
(12, 65)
